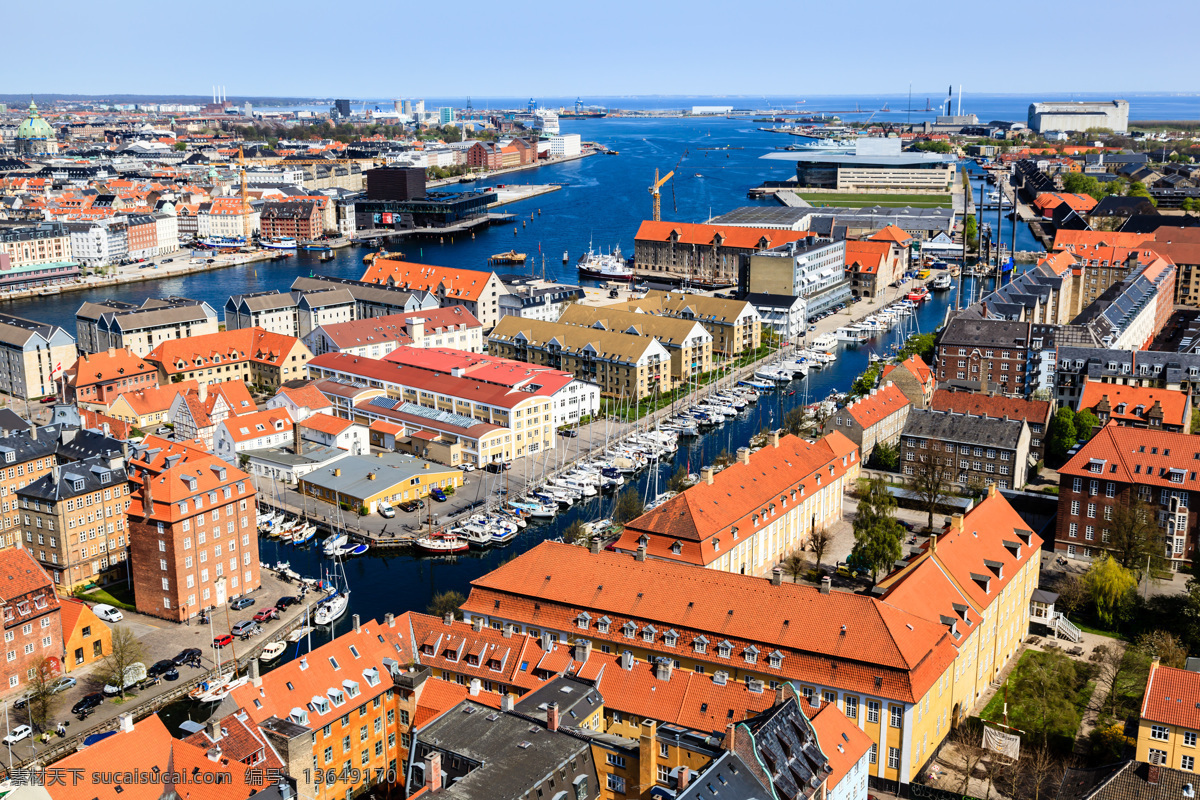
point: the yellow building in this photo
(1170, 720)
(147, 408)
(357, 482)
(690, 345)
(735, 325)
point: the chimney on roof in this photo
(932, 541)
(433, 772)
(552, 717)
(777, 576)
(474, 688)
(202, 392)
(648, 752)
(389, 619)
(706, 475)
(506, 702)
(357, 623)
(1152, 774)
(826, 584)
(956, 522)
(448, 618)
(255, 675)
(594, 545)
(33, 432)
(547, 642)
(626, 660)
(295, 439)
(663, 667)
(641, 553)
(212, 727)
(583, 649)
(743, 455)
(147, 494)
(508, 630)
(477, 624)
(775, 437)
(991, 490)
(730, 737)
(682, 782)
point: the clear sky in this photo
(374, 49)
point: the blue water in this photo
(604, 200)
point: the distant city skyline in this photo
(702, 48)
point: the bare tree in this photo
(1114, 671)
(126, 651)
(1164, 645)
(994, 767)
(794, 564)
(1043, 773)
(820, 541)
(1073, 594)
(968, 741)
(931, 481)
(40, 697)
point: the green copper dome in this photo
(35, 127)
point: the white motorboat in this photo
(852, 334)
(272, 651)
(825, 342)
(332, 608)
(299, 633)
(217, 689)
(942, 282)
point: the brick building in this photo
(1138, 406)
(96, 380)
(982, 450)
(875, 419)
(1000, 352)
(1121, 466)
(484, 155)
(1036, 413)
(193, 532)
(75, 521)
(142, 236)
(701, 253)
(295, 220)
(32, 618)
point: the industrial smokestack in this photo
(949, 99)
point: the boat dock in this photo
(518, 192)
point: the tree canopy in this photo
(1060, 436)
(1113, 589)
(877, 533)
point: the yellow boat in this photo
(511, 257)
(923, 274)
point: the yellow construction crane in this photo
(247, 229)
(654, 193)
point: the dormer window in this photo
(724, 649)
(77, 485)
(337, 697)
(629, 629)
(371, 676)
(775, 660)
(298, 716)
(648, 633)
(320, 705)
(670, 638)
(603, 624)
(750, 654)
(351, 687)
(583, 621)
(676, 548)
(700, 644)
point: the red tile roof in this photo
(1068, 239)
(486, 654)
(1048, 201)
(881, 649)
(450, 282)
(891, 234)
(1124, 402)
(880, 404)
(915, 365)
(21, 575)
(225, 347)
(325, 424)
(728, 236)
(307, 396)
(994, 406)
(842, 742)
(110, 365)
(868, 255)
(246, 427)
(1138, 455)
(1172, 697)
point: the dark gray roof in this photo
(1118, 206)
(1133, 780)
(727, 777)
(963, 428)
(786, 746)
(763, 300)
(985, 333)
(509, 754)
(11, 422)
(74, 479)
(576, 701)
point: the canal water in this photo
(603, 200)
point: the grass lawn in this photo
(855, 200)
(1024, 712)
(1083, 626)
(119, 595)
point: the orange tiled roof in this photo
(96, 421)
(1059, 261)
(994, 406)
(1069, 240)
(225, 347)
(1124, 401)
(257, 424)
(453, 283)
(307, 396)
(1138, 455)
(326, 423)
(168, 487)
(880, 404)
(157, 398)
(699, 233)
(842, 742)
(486, 654)
(1172, 697)
(1047, 201)
(882, 649)
(110, 365)
(867, 255)
(891, 234)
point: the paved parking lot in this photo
(160, 639)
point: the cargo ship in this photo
(583, 112)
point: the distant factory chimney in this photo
(949, 99)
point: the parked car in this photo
(570, 433)
(244, 627)
(62, 684)
(222, 640)
(265, 614)
(468, 466)
(411, 505)
(18, 733)
(186, 655)
(242, 602)
(108, 613)
(282, 603)
(160, 668)
(437, 494)
(385, 509)
(134, 674)
(87, 703)
(908, 526)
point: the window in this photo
(1189, 738)
(893, 758)
(1158, 757)
(897, 716)
(1160, 732)
(616, 783)
(615, 760)
(874, 752)
(1187, 762)
(851, 708)
(872, 711)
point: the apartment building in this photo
(252, 355)
(296, 220)
(1000, 352)
(518, 403)
(1170, 720)
(196, 413)
(335, 432)
(689, 344)
(875, 419)
(1119, 467)
(479, 292)
(193, 531)
(1079, 366)
(734, 324)
(76, 521)
(913, 377)
(785, 491)
(142, 233)
(224, 218)
(370, 299)
(273, 311)
(252, 431)
(699, 253)
(625, 366)
(534, 299)
(1036, 413)
(141, 328)
(873, 266)
(36, 254)
(812, 268)
(33, 628)
(981, 449)
(148, 408)
(376, 337)
(33, 356)
(96, 380)
(1138, 406)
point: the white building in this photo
(254, 431)
(166, 228)
(785, 314)
(538, 301)
(568, 144)
(282, 464)
(574, 401)
(98, 243)
(223, 218)
(330, 431)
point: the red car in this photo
(222, 640)
(267, 613)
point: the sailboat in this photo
(218, 687)
(333, 607)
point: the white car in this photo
(18, 733)
(108, 613)
(386, 510)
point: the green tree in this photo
(679, 481)
(181, 146)
(885, 456)
(629, 506)
(451, 133)
(1112, 589)
(1044, 686)
(1135, 539)
(877, 533)
(1085, 423)
(444, 603)
(863, 385)
(40, 696)
(971, 231)
(1060, 435)
(919, 344)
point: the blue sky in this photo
(412, 49)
